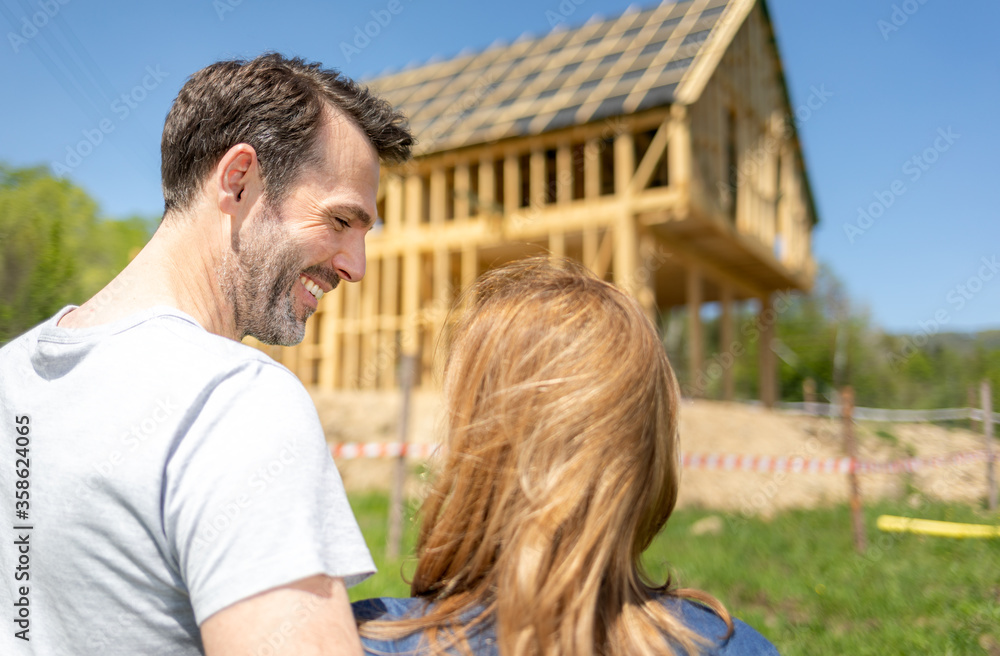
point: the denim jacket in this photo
(744, 641)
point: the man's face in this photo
(285, 258)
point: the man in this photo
(174, 494)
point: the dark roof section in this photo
(604, 68)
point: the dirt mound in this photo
(706, 427)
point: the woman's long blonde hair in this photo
(561, 467)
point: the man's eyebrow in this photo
(354, 213)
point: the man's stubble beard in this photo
(258, 277)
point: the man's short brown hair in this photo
(274, 104)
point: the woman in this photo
(561, 467)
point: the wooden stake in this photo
(809, 395)
(986, 402)
(395, 533)
(971, 401)
(857, 518)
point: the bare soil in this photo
(706, 427)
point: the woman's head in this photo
(562, 434)
(561, 467)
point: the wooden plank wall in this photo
(772, 207)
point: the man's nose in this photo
(349, 262)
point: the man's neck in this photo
(177, 268)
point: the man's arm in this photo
(310, 617)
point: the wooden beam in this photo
(388, 349)
(511, 185)
(697, 76)
(414, 204)
(370, 288)
(624, 154)
(329, 341)
(696, 349)
(557, 244)
(626, 240)
(602, 260)
(437, 190)
(592, 169)
(590, 246)
(393, 204)
(470, 265)
(680, 153)
(462, 191)
(411, 301)
(657, 148)
(645, 275)
(727, 335)
(768, 371)
(564, 174)
(537, 182)
(443, 294)
(352, 305)
(487, 192)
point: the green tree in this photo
(54, 248)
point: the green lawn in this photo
(798, 580)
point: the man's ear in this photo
(237, 178)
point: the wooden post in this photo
(809, 395)
(395, 532)
(695, 337)
(971, 401)
(626, 238)
(851, 446)
(768, 368)
(986, 401)
(727, 338)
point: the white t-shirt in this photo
(171, 473)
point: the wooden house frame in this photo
(657, 147)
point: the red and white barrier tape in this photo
(353, 450)
(797, 465)
(707, 461)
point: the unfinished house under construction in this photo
(657, 147)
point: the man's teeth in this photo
(313, 288)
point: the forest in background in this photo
(57, 249)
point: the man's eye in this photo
(342, 223)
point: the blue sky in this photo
(900, 80)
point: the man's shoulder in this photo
(178, 342)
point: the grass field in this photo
(798, 580)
